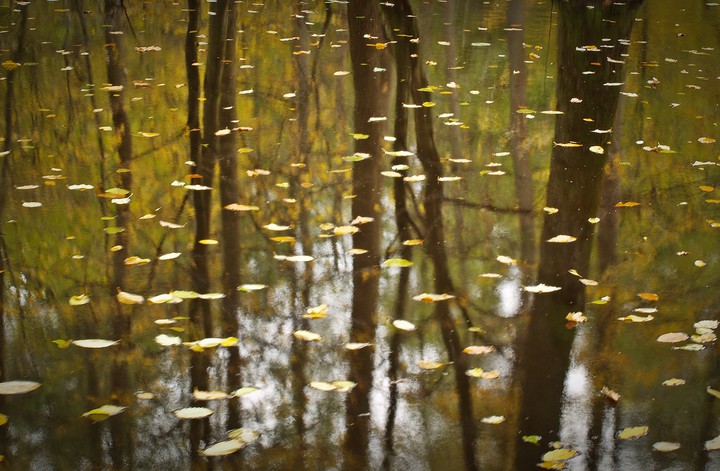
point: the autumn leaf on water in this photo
(103, 412)
(673, 337)
(493, 419)
(193, 413)
(307, 335)
(199, 395)
(562, 239)
(429, 364)
(479, 349)
(649, 296)
(631, 433)
(223, 448)
(95, 343)
(397, 262)
(673, 382)
(432, 298)
(356, 345)
(129, 298)
(403, 325)
(316, 312)
(628, 204)
(17, 387)
(666, 446)
(541, 288)
(79, 300)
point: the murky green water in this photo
(363, 236)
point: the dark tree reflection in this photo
(371, 99)
(574, 185)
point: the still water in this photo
(408, 235)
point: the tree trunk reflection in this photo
(371, 99)
(574, 186)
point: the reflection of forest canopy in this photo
(297, 85)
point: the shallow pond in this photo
(357, 235)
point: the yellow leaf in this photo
(128, 298)
(628, 204)
(632, 433)
(479, 349)
(79, 300)
(307, 335)
(561, 454)
(649, 296)
(429, 364)
(3, 419)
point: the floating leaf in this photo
(209, 395)
(673, 337)
(3, 419)
(673, 382)
(18, 387)
(403, 325)
(597, 149)
(506, 260)
(356, 345)
(534, 439)
(135, 261)
(79, 300)
(95, 343)
(167, 340)
(323, 386)
(241, 207)
(645, 310)
(251, 287)
(128, 298)
(193, 413)
(577, 317)
(492, 374)
(429, 364)
(475, 372)
(296, 258)
(397, 262)
(610, 394)
(706, 324)
(108, 410)
(632, 433)
(144, 395)
(208, 242)
(316, 312)
(163, 298)
(713, 392)
(706, 140)
(169, 256)
(244, 435)
(704, 338)
(561, 454)
(62, 344)
(244, 391)
(223, 448)
(479, 349)
(691, 347)
(713, 444)
(649, 296)
(628, 204)
(307, 335)
(345, 230)
(634, 318)
(541, 288)
(666, 446)
(432, 298)
(493, 419)
(562, 239)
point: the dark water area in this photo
(359, 235)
